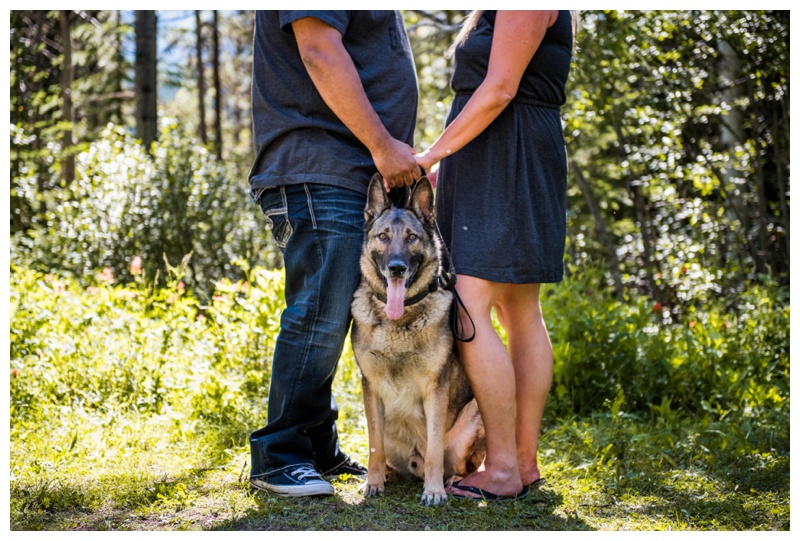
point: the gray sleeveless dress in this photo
(501, 200)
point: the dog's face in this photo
(399, 241)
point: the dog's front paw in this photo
(372, 489)
(433, 497)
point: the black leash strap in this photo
(455, 320)
(447, 278)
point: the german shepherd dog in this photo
(422, 418)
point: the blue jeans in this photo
(319, 229)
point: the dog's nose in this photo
(397, 268)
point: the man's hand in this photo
(396, 164)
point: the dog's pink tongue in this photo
(395, 296)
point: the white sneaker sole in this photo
(311, 489)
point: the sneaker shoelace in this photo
(305, 471)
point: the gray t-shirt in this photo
(297, 137)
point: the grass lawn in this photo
(148, 481)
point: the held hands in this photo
(396, 164)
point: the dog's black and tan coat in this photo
(422, 418)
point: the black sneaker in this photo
(299, 480)
(346, 466)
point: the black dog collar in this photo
(434, 286)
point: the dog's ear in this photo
(422, 201)
(377, 199)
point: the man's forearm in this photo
(336, 79)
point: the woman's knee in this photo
(518, 304)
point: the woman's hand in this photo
(433, 176)
(430, 167)
(425, 161)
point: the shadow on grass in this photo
(126, 501)
(730, 514)
(693, 474)
(733, 494)
(399, 510)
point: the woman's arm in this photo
(517, 36)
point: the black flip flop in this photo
(485, 494)
(541, 481)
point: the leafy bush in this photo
(138, 347)
(125, 203)
(718, 359)
(161, 351)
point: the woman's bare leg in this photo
(531, 353)
(491, 373)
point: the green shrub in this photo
(718, 359)
(124, 202)
(143, 349)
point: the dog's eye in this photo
(411, 237)
(384, 237)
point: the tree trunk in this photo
(217, 91)
(251, 20)
(650, 264)
(761, 195)
(146, 73)
(38, 144)
(119, 62)
(600, 227)
(737, 213)
(67, 111)
(201, 78)
(236, 111)
(732, 136)
(779, 164)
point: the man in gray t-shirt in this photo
(334, 100)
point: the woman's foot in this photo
(531, 477)
(528, 471)
(497, 484)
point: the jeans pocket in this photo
(273, 204)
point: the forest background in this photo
(145, 290)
